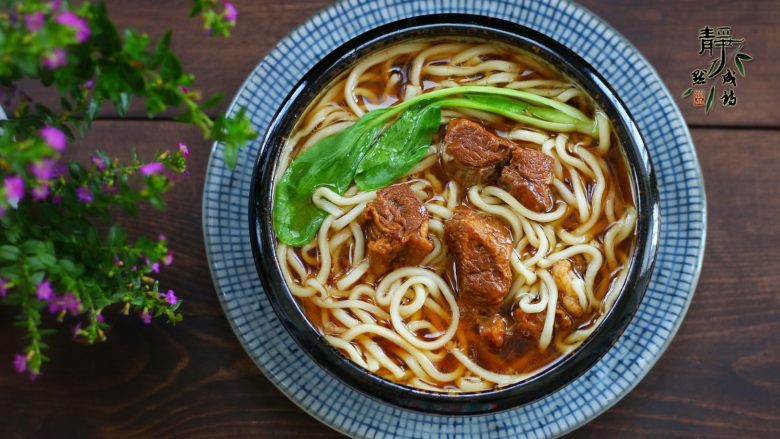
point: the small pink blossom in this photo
(14, 189)
(3, 287)
(55, 59)
(67, 302)
(45, 169)
(54, 137)
(170, 297)
(109, 189)
(20, 363)
(161, 237)
(146, 317)
(185, 152)
(84, 195)
(89, 84)
(99, 318)
(152, 168)
(231, 14)
(168, 259)
(34, 21)
(44, 291)
(75, 22)
(40, 192)
(98, 162)
(76, 329)
(155, 267)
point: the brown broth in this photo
(519, 354)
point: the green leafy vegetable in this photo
(399, 148)
(355, 153)
(331, 162)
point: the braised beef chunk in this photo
(528, 177)
(396, 226)
(565, 278)
(529, 325)
(472, 154)
(481, 246)
(494, 330)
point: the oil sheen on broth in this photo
(408, 314)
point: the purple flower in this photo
(43, 291)
(54, 137)
(146, 317)
(184, 89)
(3, 287)
(45, 169)
(98, 162)
(55, 59)
(161, 237)
(40, 192)
(99, 318)
(152, 168)
(57, 199)
(156, 267)
(84, 194)
(76, 329)
(34, 21)
(72, 20)
(20, 363)
(68, 302)
(109, 189)
(89, 84)
(168, 259)
(56, 5)
(230, 12)
(14, 189)
(185, 152)
(71, 303)
(170, 297)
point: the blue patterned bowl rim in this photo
(683, 230)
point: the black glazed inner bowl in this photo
(548, 380)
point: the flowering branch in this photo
(62, 257)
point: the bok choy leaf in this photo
(399, 148)
(374, 159)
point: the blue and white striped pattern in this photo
(225, 217)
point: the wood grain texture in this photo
(718, 378)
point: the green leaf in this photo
(399, 148)
(710, 100)
(123, 103)
(116, 236)
(331, 162)
(744, 57)
(9, 252)
(740, 66)
(687, 92)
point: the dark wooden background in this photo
(719, 378)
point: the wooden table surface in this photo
(719, 378)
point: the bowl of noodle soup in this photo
(454, 214)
